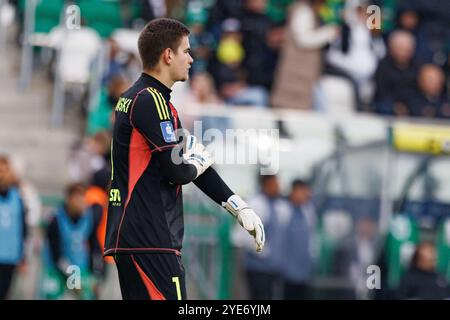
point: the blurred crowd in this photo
(262, 53)
(299, 263)
(274, 53)
(72, 235)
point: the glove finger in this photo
(259, 236)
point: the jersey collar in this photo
(152, 81)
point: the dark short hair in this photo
(74, 188)
(158, 35)
(263, 179)
(299, 183)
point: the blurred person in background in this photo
(433, 29)
(260, 49)
(422, 281)
(228, 70)
(204, 93)
(71, 240)
(25, 287)
(13, 228)
(263, 271)
(429, 100)
(300, 64)
(395, 78)
(221, 10)
(97, 198)
(89, 156)
(364, 247)
(355, 54)
(297, 268)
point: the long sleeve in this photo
(213, 186)
(305, 33)
(182, 173)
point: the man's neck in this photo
(161, 77)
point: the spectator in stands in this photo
(115, 65)
(354, 56)
(433, 30)
(89, 156)
(263, 269)
(395, 78)
(228, 71)
(97, 197)
(72, 241)
(300, 63)
(407, 18)
(429, 101)
(260, 58)
(422, 281)
(13, 228)
(222, 10)
(33, 208)
(297, 269)
(203, 92)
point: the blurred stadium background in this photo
(362, 115)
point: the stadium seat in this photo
(338, 94)
(79, 49)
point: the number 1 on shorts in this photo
(177, 285)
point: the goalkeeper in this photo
(149, 163)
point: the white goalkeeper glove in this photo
(247, 218)
(197, 155)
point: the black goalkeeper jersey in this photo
(145, 211)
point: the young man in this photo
(145, 216)
(71, 240)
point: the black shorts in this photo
(151, 276)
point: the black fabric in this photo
(6, 276)
(394, 84)
(213, 186)
(260, 59)
(261, 285)
(293, 291)
(150, 214)
(180, 174)
(160, 269)
(420, 284)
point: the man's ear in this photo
(168, 56)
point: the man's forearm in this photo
(213, 186)
(182, 173)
